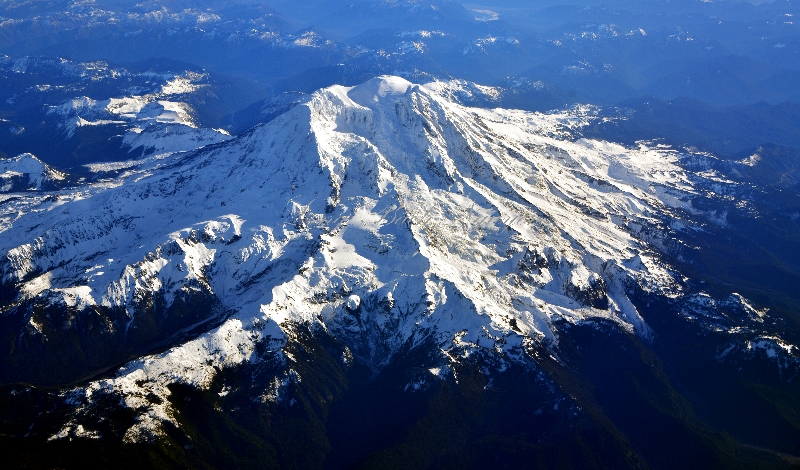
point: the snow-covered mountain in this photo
(151, 123)
(69, 113)
(387, 216)
(26, 172)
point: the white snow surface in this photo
(138, 112)
(390, 198)
(169, 138)
(38, 173)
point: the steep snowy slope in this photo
(26, 172)
(386, 215)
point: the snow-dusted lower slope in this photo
(386, 214)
